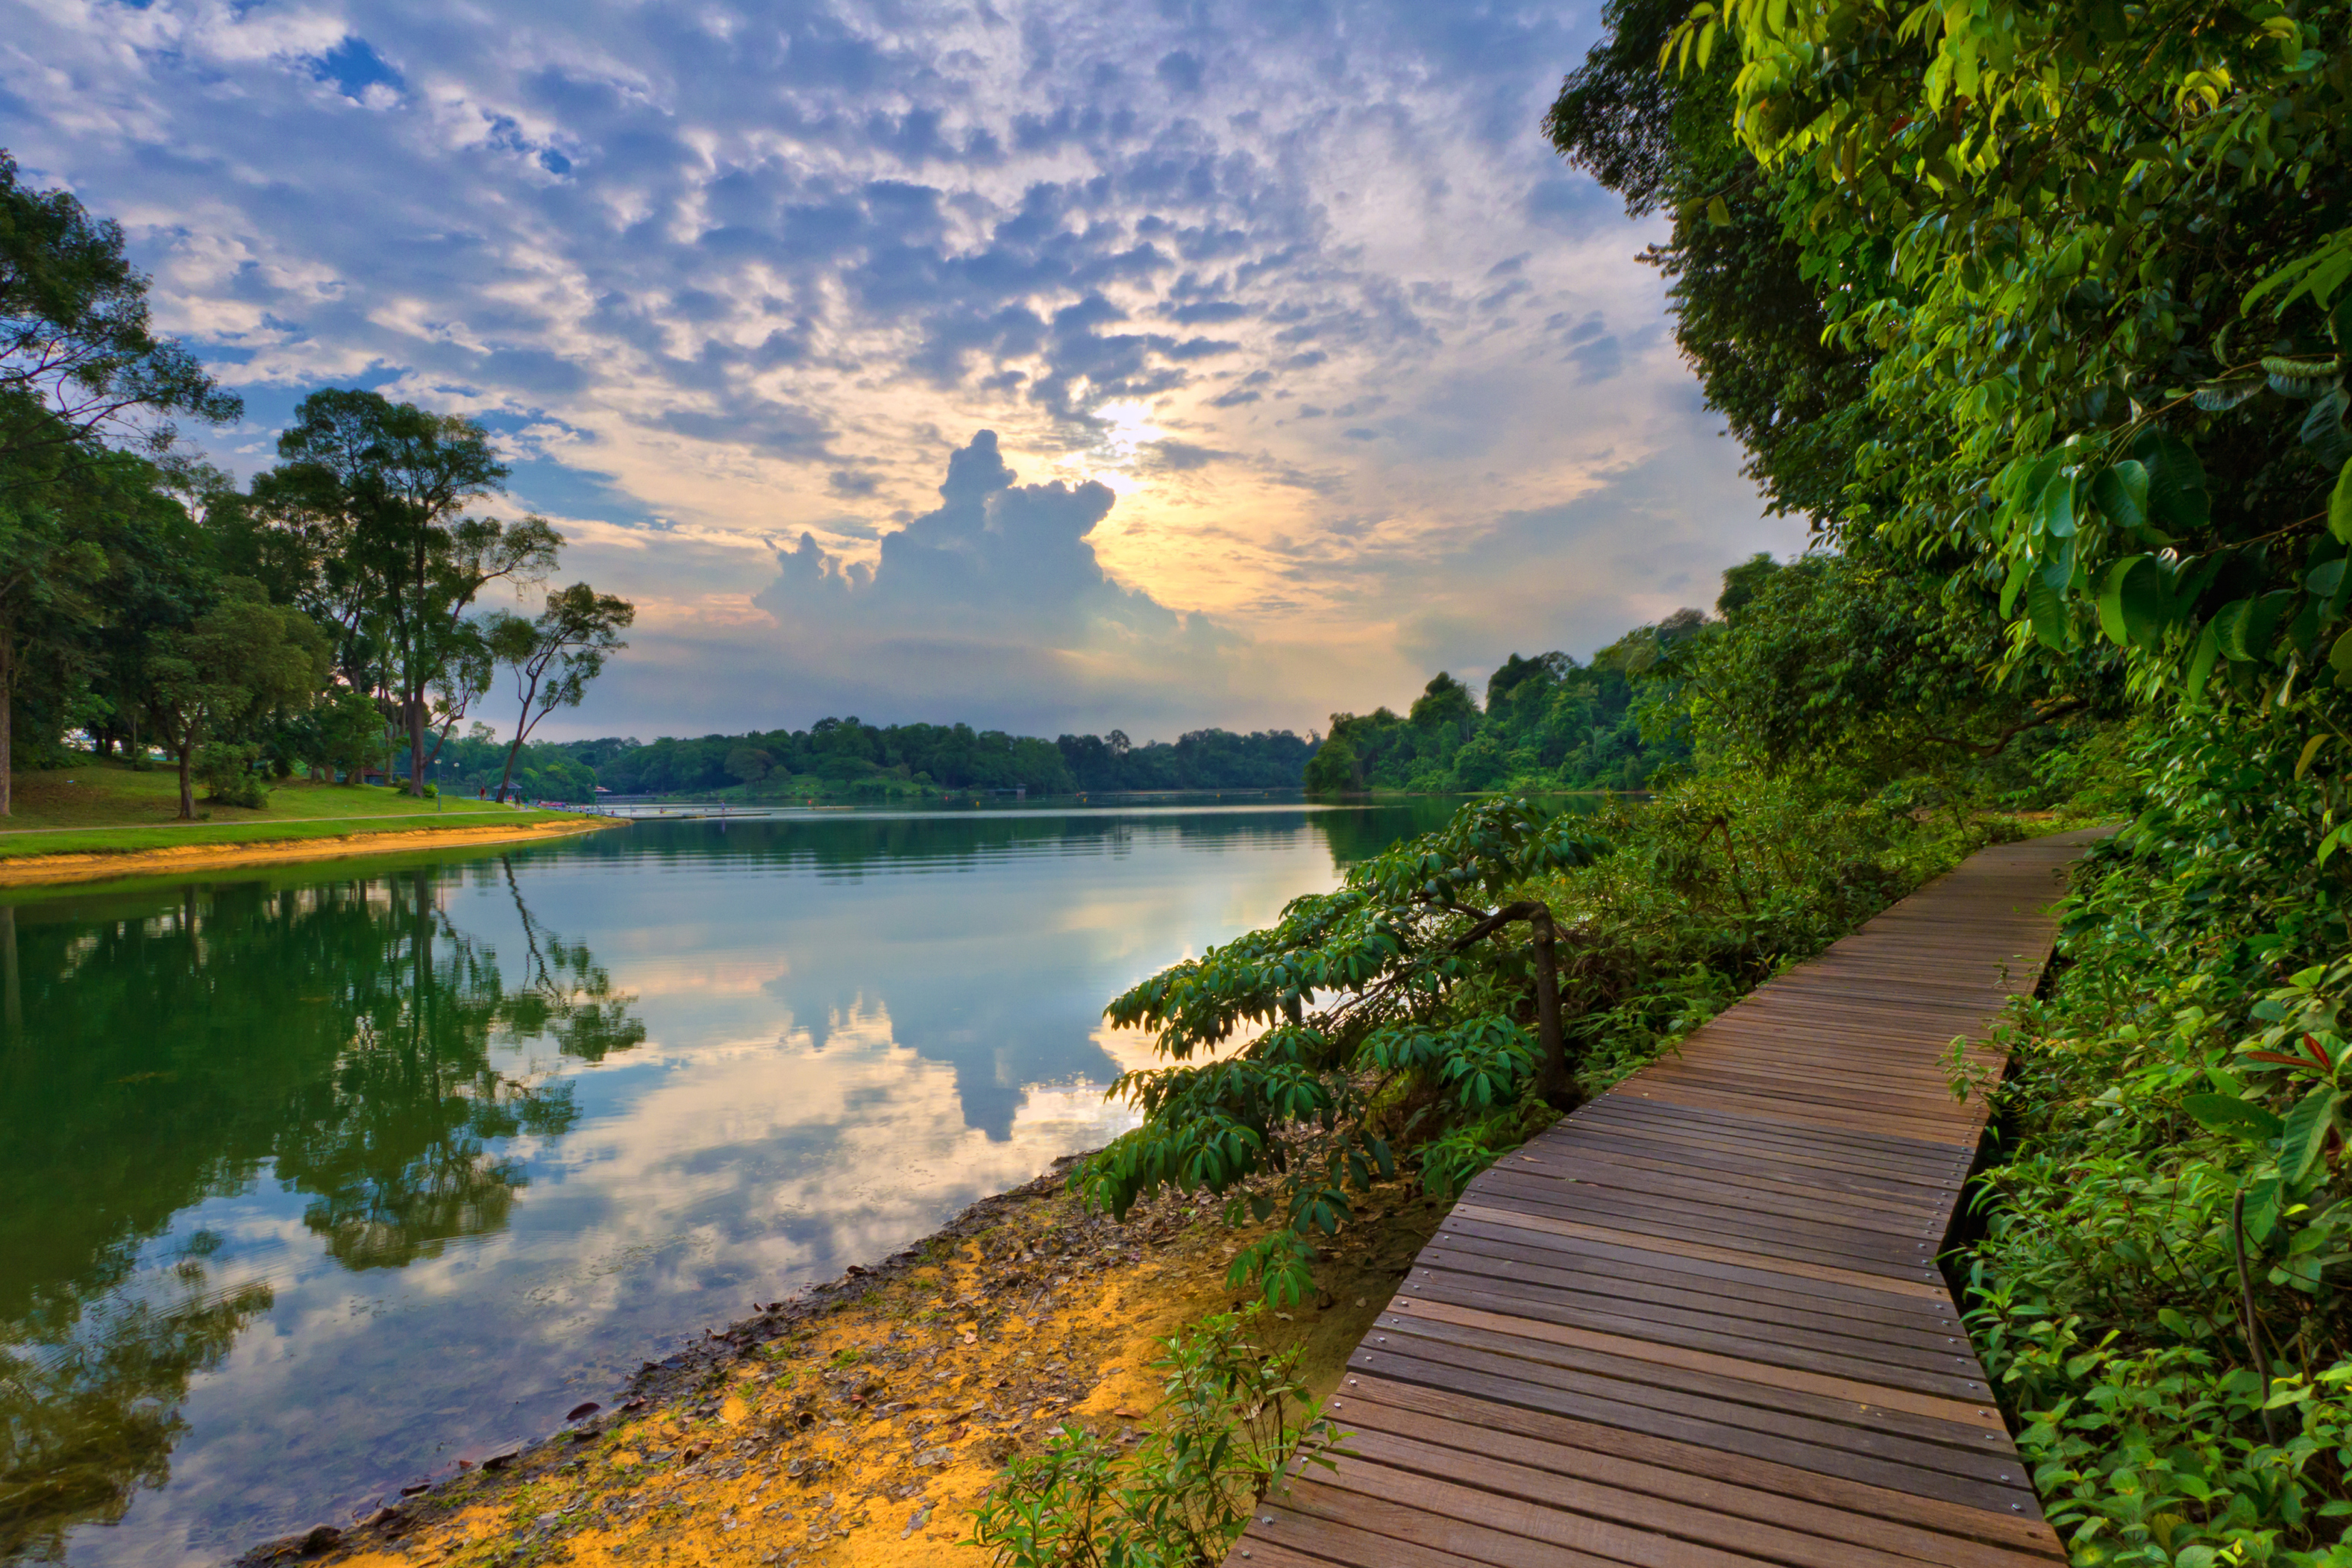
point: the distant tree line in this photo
(849, 756)
(1547, 722)
(319, 620)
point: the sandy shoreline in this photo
(43, 870)
(858, 1422)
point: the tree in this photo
(749, 763)
(1333, 769)
(1424, 996)
(78, 360)
(1746, 315)
(244, 656)
(343, 733)
(556, 654)
(2099, 256)
(377, 489)
(50, 565)
(1833, 662)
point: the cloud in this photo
(1309, 293)
(994, 599)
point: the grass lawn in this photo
(106, 807)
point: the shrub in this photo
(1462, 988)
(2161, 1291)
(227, 772)
(1233, 1418)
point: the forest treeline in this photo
(847, 756)
(1548, 723)
(321, 620)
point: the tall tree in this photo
(79, 366)
(379, 491)
(555, 655)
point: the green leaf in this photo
(2227, 1113)
(2047, 611)
(2018, 569)
(2229, 626)
(2310, 750)
(1718, 213)
(2055, 511)
(2120, 492)
(2340, 657)
(2305, 1131)
(2135, 602)
(2175, 483)
(2339, 505)
(2201, 663)
(2219, 396)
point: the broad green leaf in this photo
(2310, 750)
(2201, 663)
(2340, 657)
(2229, 626)
(2018, 569)
(2055, 510)
(2120, 492)
(2339, 505)
(2175, 483)
(2227, 1113)
(2135, 602)
(2047, 611)
(2305, 1131)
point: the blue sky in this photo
(1306, 368)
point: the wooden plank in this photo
(1942, 1532)
(1699, 1322)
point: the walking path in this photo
(1700, 1323)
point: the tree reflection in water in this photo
(160, 1048)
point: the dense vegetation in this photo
(1549, 722)
(2040, 315)
(306, 622)
(845, 755)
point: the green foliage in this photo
(2161, 1293)
(1232, 1420)
(1403, 1021)
(1549, 724)
(226, 768)
(1423, 1034)
(1868, 668)
(2098, 254)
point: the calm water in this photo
(313, 1181)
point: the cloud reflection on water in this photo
(444, 1148)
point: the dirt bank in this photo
(38, 870)
(856, 1423)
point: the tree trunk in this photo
(512, 751)
(7, 722)
(187, 794)
(416, 744)
(1557, 1088)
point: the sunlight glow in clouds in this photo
(1374, 385)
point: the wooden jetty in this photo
(1700, 1323)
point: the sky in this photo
(1056, 367)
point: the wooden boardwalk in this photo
(1700, 1323)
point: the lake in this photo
(314, 1180)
